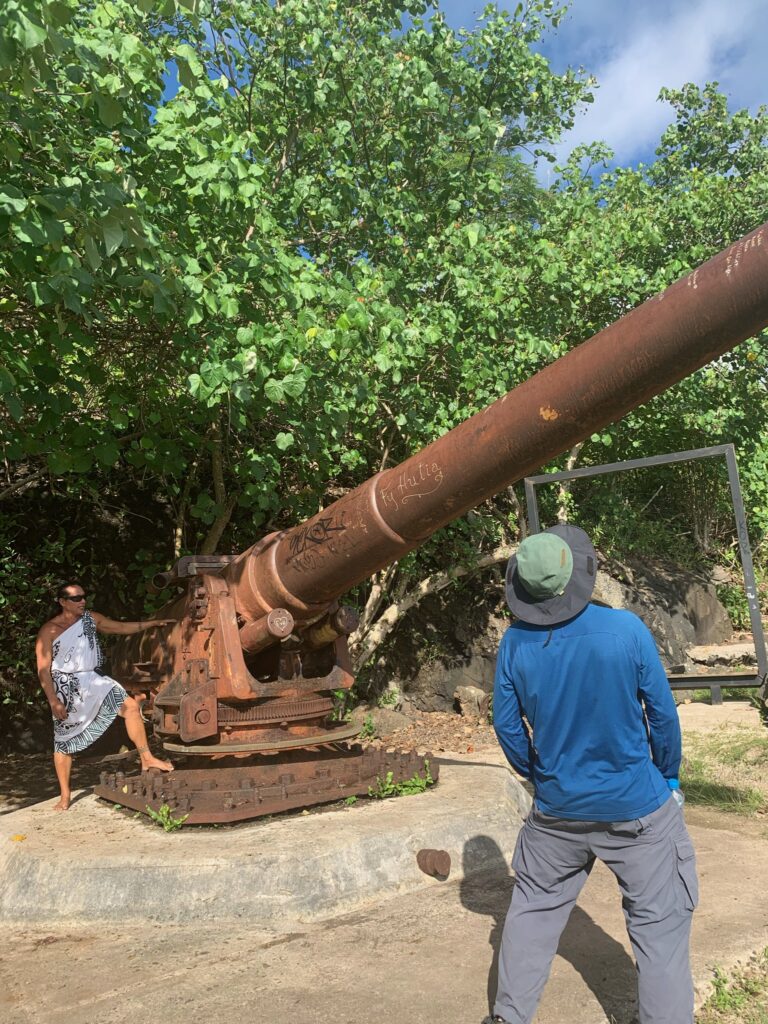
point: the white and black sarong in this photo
(92, 700)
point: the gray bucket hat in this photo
(552, 576)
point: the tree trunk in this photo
(564, 490)
(218, 526)
(178, 530)
(225, 504)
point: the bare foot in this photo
(63, 804)
(150, 761)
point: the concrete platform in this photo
(423, 957)
(93, 863)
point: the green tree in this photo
(254, 252)
(252, 294)
(613, 240)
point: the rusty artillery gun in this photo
(242, 683)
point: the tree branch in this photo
(564, 489)
(363, 646)
(22, 485)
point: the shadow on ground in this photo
(27, 779)
(602, 962)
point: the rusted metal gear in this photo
(237, 793)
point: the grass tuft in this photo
(699, 786)
(740, 997)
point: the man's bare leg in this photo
(134, 726)
(63, 765)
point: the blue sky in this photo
(634, 47)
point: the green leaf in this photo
(113, 234)
(241, 390)
(14, 406)
(60, 462)
(189, 66)
(107, 453)
(274, 390)
(250, 361)
(30, 230)
(12, 200)
(92, 253)
(284, 440)
(293, 385)
(29, 33)
(110, 110)
(473, 233)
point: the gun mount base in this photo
(232, 794)
(225, 749)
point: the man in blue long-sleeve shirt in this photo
(583, 709)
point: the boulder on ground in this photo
(472, 701)
(385, 720)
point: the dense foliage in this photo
(253, 252)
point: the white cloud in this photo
(696, 42)
(634, 47)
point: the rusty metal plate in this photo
(198, 716)
(217, 749)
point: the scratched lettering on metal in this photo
(412, 484)
(733, 259)
(342, 540)
(316, 533)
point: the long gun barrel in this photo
(701, 316)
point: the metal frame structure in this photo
(683, 681)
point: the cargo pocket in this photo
(536, 877)
(686, 869)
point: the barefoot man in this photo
(84, 703)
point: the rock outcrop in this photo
(449, 642)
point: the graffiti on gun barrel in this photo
(313, 545)
(315, 533)
(418, 482)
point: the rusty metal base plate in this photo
(226, 794)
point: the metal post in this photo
(750, 585)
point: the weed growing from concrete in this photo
(739, 998)
(368, 730)
(164, 817)
(386, 787)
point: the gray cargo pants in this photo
(654, 863)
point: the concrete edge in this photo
(297, 869)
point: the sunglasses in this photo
(74, 597)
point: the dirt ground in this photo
(399, 961)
